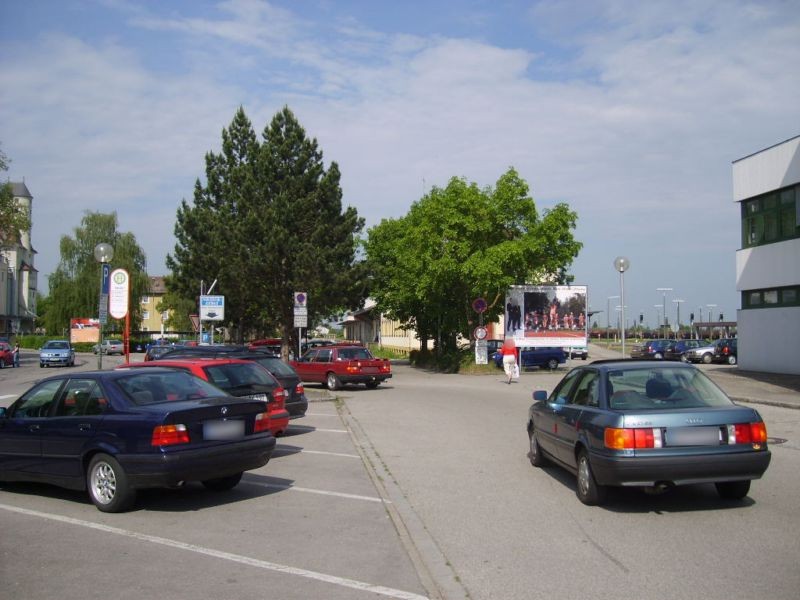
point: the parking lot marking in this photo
(245, 560)
(342, 454)
(310, 429)
(315, 414)
(8, 396)
(294, 488)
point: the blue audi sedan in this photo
(115, 432)
(647, 424)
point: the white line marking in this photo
(253, 562)
(330, 453)
(8, 396)
(294, 488)
(313, 414)
(331, 430)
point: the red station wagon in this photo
(239, 378)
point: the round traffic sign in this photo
(480, 333)
(479, 305)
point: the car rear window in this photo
(354, 354)
(231, 375)
(276, 366)
(662, 388)
(166, 386)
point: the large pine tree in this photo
(269, 222)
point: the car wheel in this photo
(223, 484)
(535, 452)
(333, 382)
(41, 365)
(108, 485)
(733, 490)
(684, 359)
(706, 358)
(587, 489)
(371, 385)
(552, 364)
(731, 360)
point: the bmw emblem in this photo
(224, 410)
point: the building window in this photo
(770, 217)
(145, 315)
(145, 299)
(771, 298)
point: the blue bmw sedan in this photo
(649, 424)
(115, 432)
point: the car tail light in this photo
(169, 435)
(262, 422)
(747, 433)
(279, 397)
(353, 368)
(629, 439)
(299, 389)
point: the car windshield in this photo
(232, 375)
(276, 366)
(57, 345)
(354, 354)
(167, 386)
(660, 388)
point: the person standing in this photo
(16, 354)
(509, 352)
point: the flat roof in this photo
(767, 148)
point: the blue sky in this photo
(631, 112)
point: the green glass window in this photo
(772, 217)
(789, 296)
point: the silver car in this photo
(56, 352)
(703, 354)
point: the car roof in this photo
(183, 362)
(615, 363)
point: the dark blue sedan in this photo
(647, 424)
(114, 432)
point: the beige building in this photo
(18, 276)
(152, 319)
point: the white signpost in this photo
(118, 289)
(300, 316)
(212, 308)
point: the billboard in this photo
(546, 315)
(84, 330)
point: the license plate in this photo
(262, 397)
(223, 430)
(692, 436)
(370, 369)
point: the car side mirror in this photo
(540, 396)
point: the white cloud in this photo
(634, 125)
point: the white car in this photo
(110, 347)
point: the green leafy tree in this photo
(461, 242)
(13, 216)
(269, 222)
(75, 284)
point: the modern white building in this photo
(767, 187)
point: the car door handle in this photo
(84, 426)
(34, 428)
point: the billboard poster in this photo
(546, 315)
(84, 329)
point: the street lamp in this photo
(622, 264)
(677, 302)
(710, 328)
(608, 315)
(103, 253)
(664, 291)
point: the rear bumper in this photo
(364, 378)
(172, 467)
(297, 408)
(679, 470)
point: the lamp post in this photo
(664, 291)
(710, 329)
(622, 264)
(677, 302)
(103, 253)
(608, 315)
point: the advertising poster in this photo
(84, 329)
(546, 315)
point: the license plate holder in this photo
(692, 436)
(223, 430)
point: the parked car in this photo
(239, 378)
(646, 424)
(725, 351)
(650, 349)
(115, 432)
(6, 355)
(581, 352)
(109, 347)
(546, 358)
(156, 352)
(340, 364)
(56, 352)
(296, 402)
(701, 354)
(677, 349)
